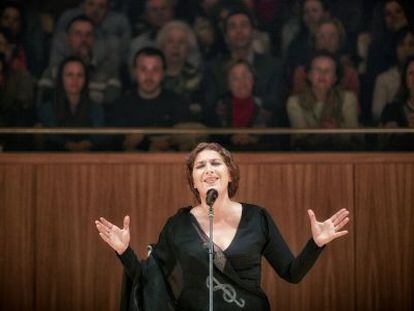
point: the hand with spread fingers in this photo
(329, 230)
(116, 237)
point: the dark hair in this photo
(79, 18)
(61, 103)
(233, 63)
(23, 18)
(151, 51)
(232, 166)
(403, 92)
(239, 11)
(7, 34)
(324, 53)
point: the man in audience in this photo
(109, 25)
(269, 83)
(149, 105)
(156, 14)
(103, 66)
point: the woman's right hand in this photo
(117, 238)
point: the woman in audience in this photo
(71, 107)
(388, 82)
(330, 36)
(183, 73)
(400, 113)
(389, 17)
(239, 108)
(323, 105)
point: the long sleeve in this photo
(278, 254)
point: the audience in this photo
(149, 104)
(400, 112)
(388, 82)
(218, 68)
(183, 73)
(323, 105)
(71, 106)
(330, 36)
(103, 67)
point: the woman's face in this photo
(210, 171)
(73, 78)
(327, 38)
(394, 15)
(240, 81)
(176, 46)
(11, 19)
(405, 48)
(410, 78)
(322, 75)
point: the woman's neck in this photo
(73, 100)
(320, 94)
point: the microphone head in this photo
(211, 196)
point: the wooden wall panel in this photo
(384, 243)
(17, 247)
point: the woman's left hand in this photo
(325, 232)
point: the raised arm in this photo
(330, 229)
(116, 238)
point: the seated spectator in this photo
(389, 17)
(323, 105)
(239, 108)
(269, 84)
(388, 82)
(15, 57)
(183, 73)
(400, 113)
(300, 48)
(104, 86)
(70, 106)
(109, 25)
(26, 35)
(149, 105)
(16, 96)
(156, 14)
(330, 36)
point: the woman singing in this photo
(243, 233)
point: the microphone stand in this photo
(210, 257)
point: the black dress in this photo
(180, 258)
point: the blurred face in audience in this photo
(204, 31)
(322, 75)
(176, 46)
(313, 12)
(240, 81)
(395, 17)
(239, 32)
(405, 48)
(327, 38)
(73, 77)
(96, 9)
(5, 47)
(81, 38)
(410, 78)
(158, 12)
(149, 72)
(11, 19)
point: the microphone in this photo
(211, 196)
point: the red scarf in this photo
(243, 109)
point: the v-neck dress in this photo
(182, 255)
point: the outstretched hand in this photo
(325, 232)
(117, 238)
